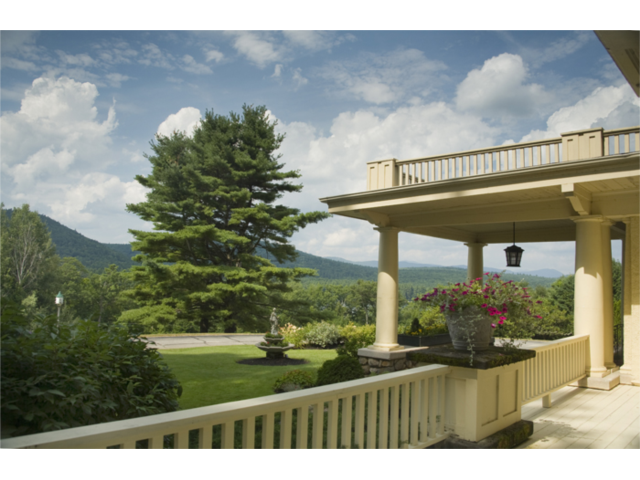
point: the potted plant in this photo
(476, 310)
(418, 335)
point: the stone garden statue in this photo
(274, 322)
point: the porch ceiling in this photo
(541, 200)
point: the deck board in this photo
(585, 418)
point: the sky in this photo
(79, 108)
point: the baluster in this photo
(372, 419)
(285, 429)
(248, 433)
(384, 418)
(482, 160)
(332, 424)
(302, 428)
(490, 163)
(616, 144)
(359, 427)
(627, 143)
(424, 411)
(205, 437)
(346, 422)
(607, 146)
(317, 426)
(558, 150)
(404, 416)
(433, 407)
(131, 445)
(226, 437)
(415, 412)
(441, 403)
(393, 416)
(438, 169)
(637, 143)
(157, 441)
(268, 428)
(180, 440)
(412, 173)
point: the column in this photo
(387, 302)
(630, 370)
(589, 291)
(474, 261)
(607, 298)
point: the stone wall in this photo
(377, 365)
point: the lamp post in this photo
(514, 253)
(59, 302)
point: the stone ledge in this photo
(509, 437)
(391, 355)
(599, 383)
(484, 360)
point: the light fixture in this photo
(59, 302)
(514, 253)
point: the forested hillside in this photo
(96, 256)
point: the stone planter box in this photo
(423, 341)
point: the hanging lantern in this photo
(514, 253)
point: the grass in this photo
(210, 375)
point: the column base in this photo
(599, 383)
(386, 347)
(628, 378)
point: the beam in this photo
(579, 197)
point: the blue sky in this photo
(79, 109)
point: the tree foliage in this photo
(56, 377)
(213, 202)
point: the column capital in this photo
(588, 218)
(387, 229)
(628, 220)
(475, 244)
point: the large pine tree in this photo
(213, 202)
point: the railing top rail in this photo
(617, 131)
(189, 419)
(497, 148)
(557, 343)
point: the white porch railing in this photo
(401, 410)
(555, 366)
(570, 146)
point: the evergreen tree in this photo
(212, 201)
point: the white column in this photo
(475, 261)
(589, 291)
(630, 371)
(387, 301)
(607, 279)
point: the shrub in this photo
(341, 369)
(293, 380)
(356, 337)
(294, 335)
(322, 334)
(80, 374)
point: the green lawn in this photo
(210, 375)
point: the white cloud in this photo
(8, 62)
(607, 107)
(82, 59)
(298, 79)
(153, 56)
(277, 70)
(257, 47)
(498, 89)
(213, 54)
(386, 78)
(314, 40)
(558, 49)
(186, 120)
(190, 65)
(55, 152)
(116, 79)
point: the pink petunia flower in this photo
(493, 325)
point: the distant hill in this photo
(97, 256)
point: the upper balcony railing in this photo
(580, 145)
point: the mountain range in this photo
(96, 256)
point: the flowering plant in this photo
(508, 303)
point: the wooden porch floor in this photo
(586, 418)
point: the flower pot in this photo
(470, 327)
(423, 340)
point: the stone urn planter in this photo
(470, 327)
